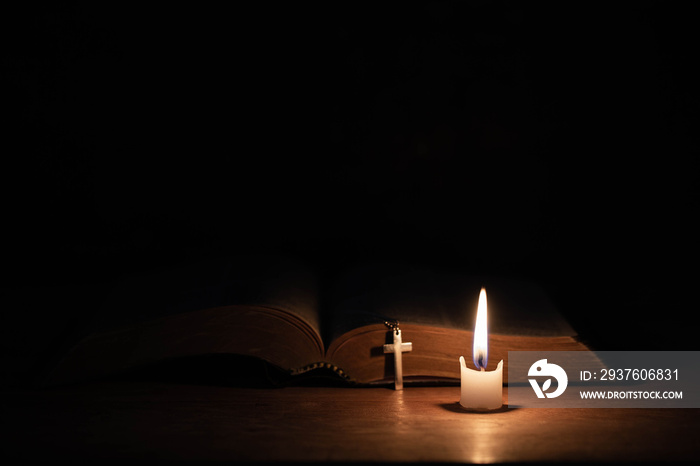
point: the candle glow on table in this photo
(481, 389)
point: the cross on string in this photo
(398, 347)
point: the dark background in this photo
(544, 141)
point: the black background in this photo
(544, 141)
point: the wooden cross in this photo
(398, 347)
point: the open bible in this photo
(286, 314)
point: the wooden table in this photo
(149, 421)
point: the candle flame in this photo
(480, 353)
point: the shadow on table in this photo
(457, 408)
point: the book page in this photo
(375, 292)
(278, 283)
(260, 307)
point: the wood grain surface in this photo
(158, 421)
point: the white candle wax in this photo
(481, 389)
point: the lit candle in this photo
(481, 389)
